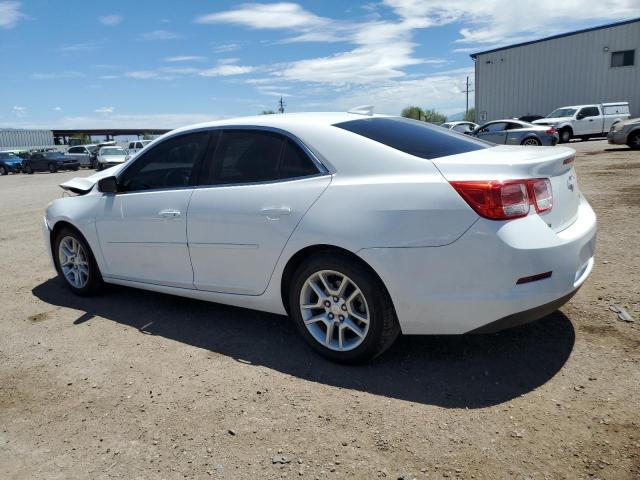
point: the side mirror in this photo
(108, 185)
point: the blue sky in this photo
(79, 64)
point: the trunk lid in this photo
(520, 163)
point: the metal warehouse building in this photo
(595, 65)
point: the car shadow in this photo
(471, 371)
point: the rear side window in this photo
(250, 156)
(413, 137)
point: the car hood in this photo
(82, 185)
(631, 121)
(551, 121)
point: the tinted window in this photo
(624, 58)
(590, 112)
(132, 145)
(412, 136)
(76, 150)
(514, 126)
(494, 127)
(170, 164)
(248, 156)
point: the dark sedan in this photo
(9, 163)
(52, 161)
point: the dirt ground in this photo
(139, 385)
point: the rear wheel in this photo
(100, 167)
(75, 263)
(531, 142)
(27, 168)
(3, 170)
(565, 135)
(634, 140)
(342, 309)
(53, 168)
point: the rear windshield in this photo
(413, 137)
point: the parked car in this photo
(9, 163)
(110, 156)
(460, 127)
(358, 226)
(625, 133)
(86, 155)
(137, 145)
(515, 132)
(585, 121)
(52, 161)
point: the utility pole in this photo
(467, 90)
(281, 105)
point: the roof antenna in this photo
(362, 110)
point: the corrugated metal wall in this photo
(537, 78)
(15, 139)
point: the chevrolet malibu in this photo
(359, 227)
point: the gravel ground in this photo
(133, 384)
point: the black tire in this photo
(383, 324)
(27, 169)
(3, 170)
(53, 168)
(94, 164)
(75, 169)
(633, 141)
(100, 167)
(565, 135)
(94, 282)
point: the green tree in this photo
(470, 116)
(433, 116)
(413, 112)
(267, 112)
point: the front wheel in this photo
(75, 263)
(342, 309)
(53, 168)
(565, 135)
(634, 140)
(3, 170)
(28, 169)
(100, 167)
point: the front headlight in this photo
(616, 127)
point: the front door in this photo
(495, 132)
(143, 228)
(588, 122)
(262, 184)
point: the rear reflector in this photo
(569, 160)
(506, 200)
(533, 278)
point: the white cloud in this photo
(111, 20)
(160, 35)
(185, 58)
(10, 14)
(224, 70)
(162, 120)
(57, 75)
(57, 109)
(109, 77)
(267, 16)
(147, 75)
(104, 110)
(19, 111)
(78, 47)
(226, 47)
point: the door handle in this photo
(168, 213)
(273, 213)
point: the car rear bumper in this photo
(471, 284)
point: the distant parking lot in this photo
(133, 384)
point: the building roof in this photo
(568, 34)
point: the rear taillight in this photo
(552, 131)
(506, 200)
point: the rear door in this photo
(261, 183)
(494, 132)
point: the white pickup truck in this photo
(585, 121)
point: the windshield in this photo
(53, 154)
(562, 112)
(112, 151)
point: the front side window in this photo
(250, 156)
(413, 136)
(462, 127)
(75, 150)
(170, 164)
(589, 112)
(624, 58)
(494, 127)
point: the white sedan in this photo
(110, 156)
(360, 227)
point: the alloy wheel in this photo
(532, 142)
(73, 262)
(334, 310)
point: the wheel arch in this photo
(53, 232)
(300, 256)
